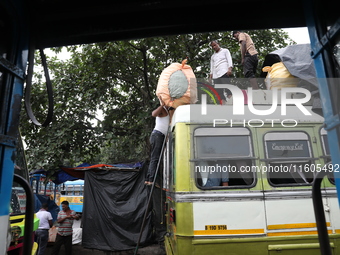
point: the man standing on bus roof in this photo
(64, 235)
(221, 66)
(45, 224)
(249, 58)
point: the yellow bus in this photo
(73, 192)
(241, 184)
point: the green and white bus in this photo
(262, 170)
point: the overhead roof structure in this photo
(61, 22)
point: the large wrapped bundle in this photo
(279, 77)
(177, 85)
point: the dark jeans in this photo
(250, 65)
(156, 142)
(224, 79)
(42, 240)
(62, 240)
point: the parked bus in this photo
(261, 170)
(22, 32)
(46, 188)
(73, 192)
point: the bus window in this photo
(20, 167)
(326, 153)
(289, 158)
(223, 157)
(336, 52)
(18, 197)
(325, 146)
(168, 163)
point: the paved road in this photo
(154, 249)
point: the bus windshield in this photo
(18, 197)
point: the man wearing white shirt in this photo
(41, 233)
(221, 66)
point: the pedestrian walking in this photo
(45, 223)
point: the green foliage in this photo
(105, 93)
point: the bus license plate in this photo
(215, 227)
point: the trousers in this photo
(156, 142)
(42, 240)
(62, 240)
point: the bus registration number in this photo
(215, 227)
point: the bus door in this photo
(288, 163)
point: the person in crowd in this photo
(64, 236)
(249, 58)
(45, 223)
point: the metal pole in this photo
(29, 214)
(150, 196)
(319, 212)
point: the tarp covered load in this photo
(177, 85)
(114, 207)
(298, 62)
(279, 77)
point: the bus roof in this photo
(76, 182)
(193, 114)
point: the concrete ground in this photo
(154, 249)
(77, 249)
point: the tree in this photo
(117, 80)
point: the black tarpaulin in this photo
(114, 206)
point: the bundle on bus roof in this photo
(177, 85)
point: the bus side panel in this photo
(291, 217)
(229, 218)
(332, 208)
(297, 245)
(230, 247)
(182, 175)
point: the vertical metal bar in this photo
(150, 195)
(319, 212)
(29, 214)
(323, 68)
(10, 96)
(323, 72)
